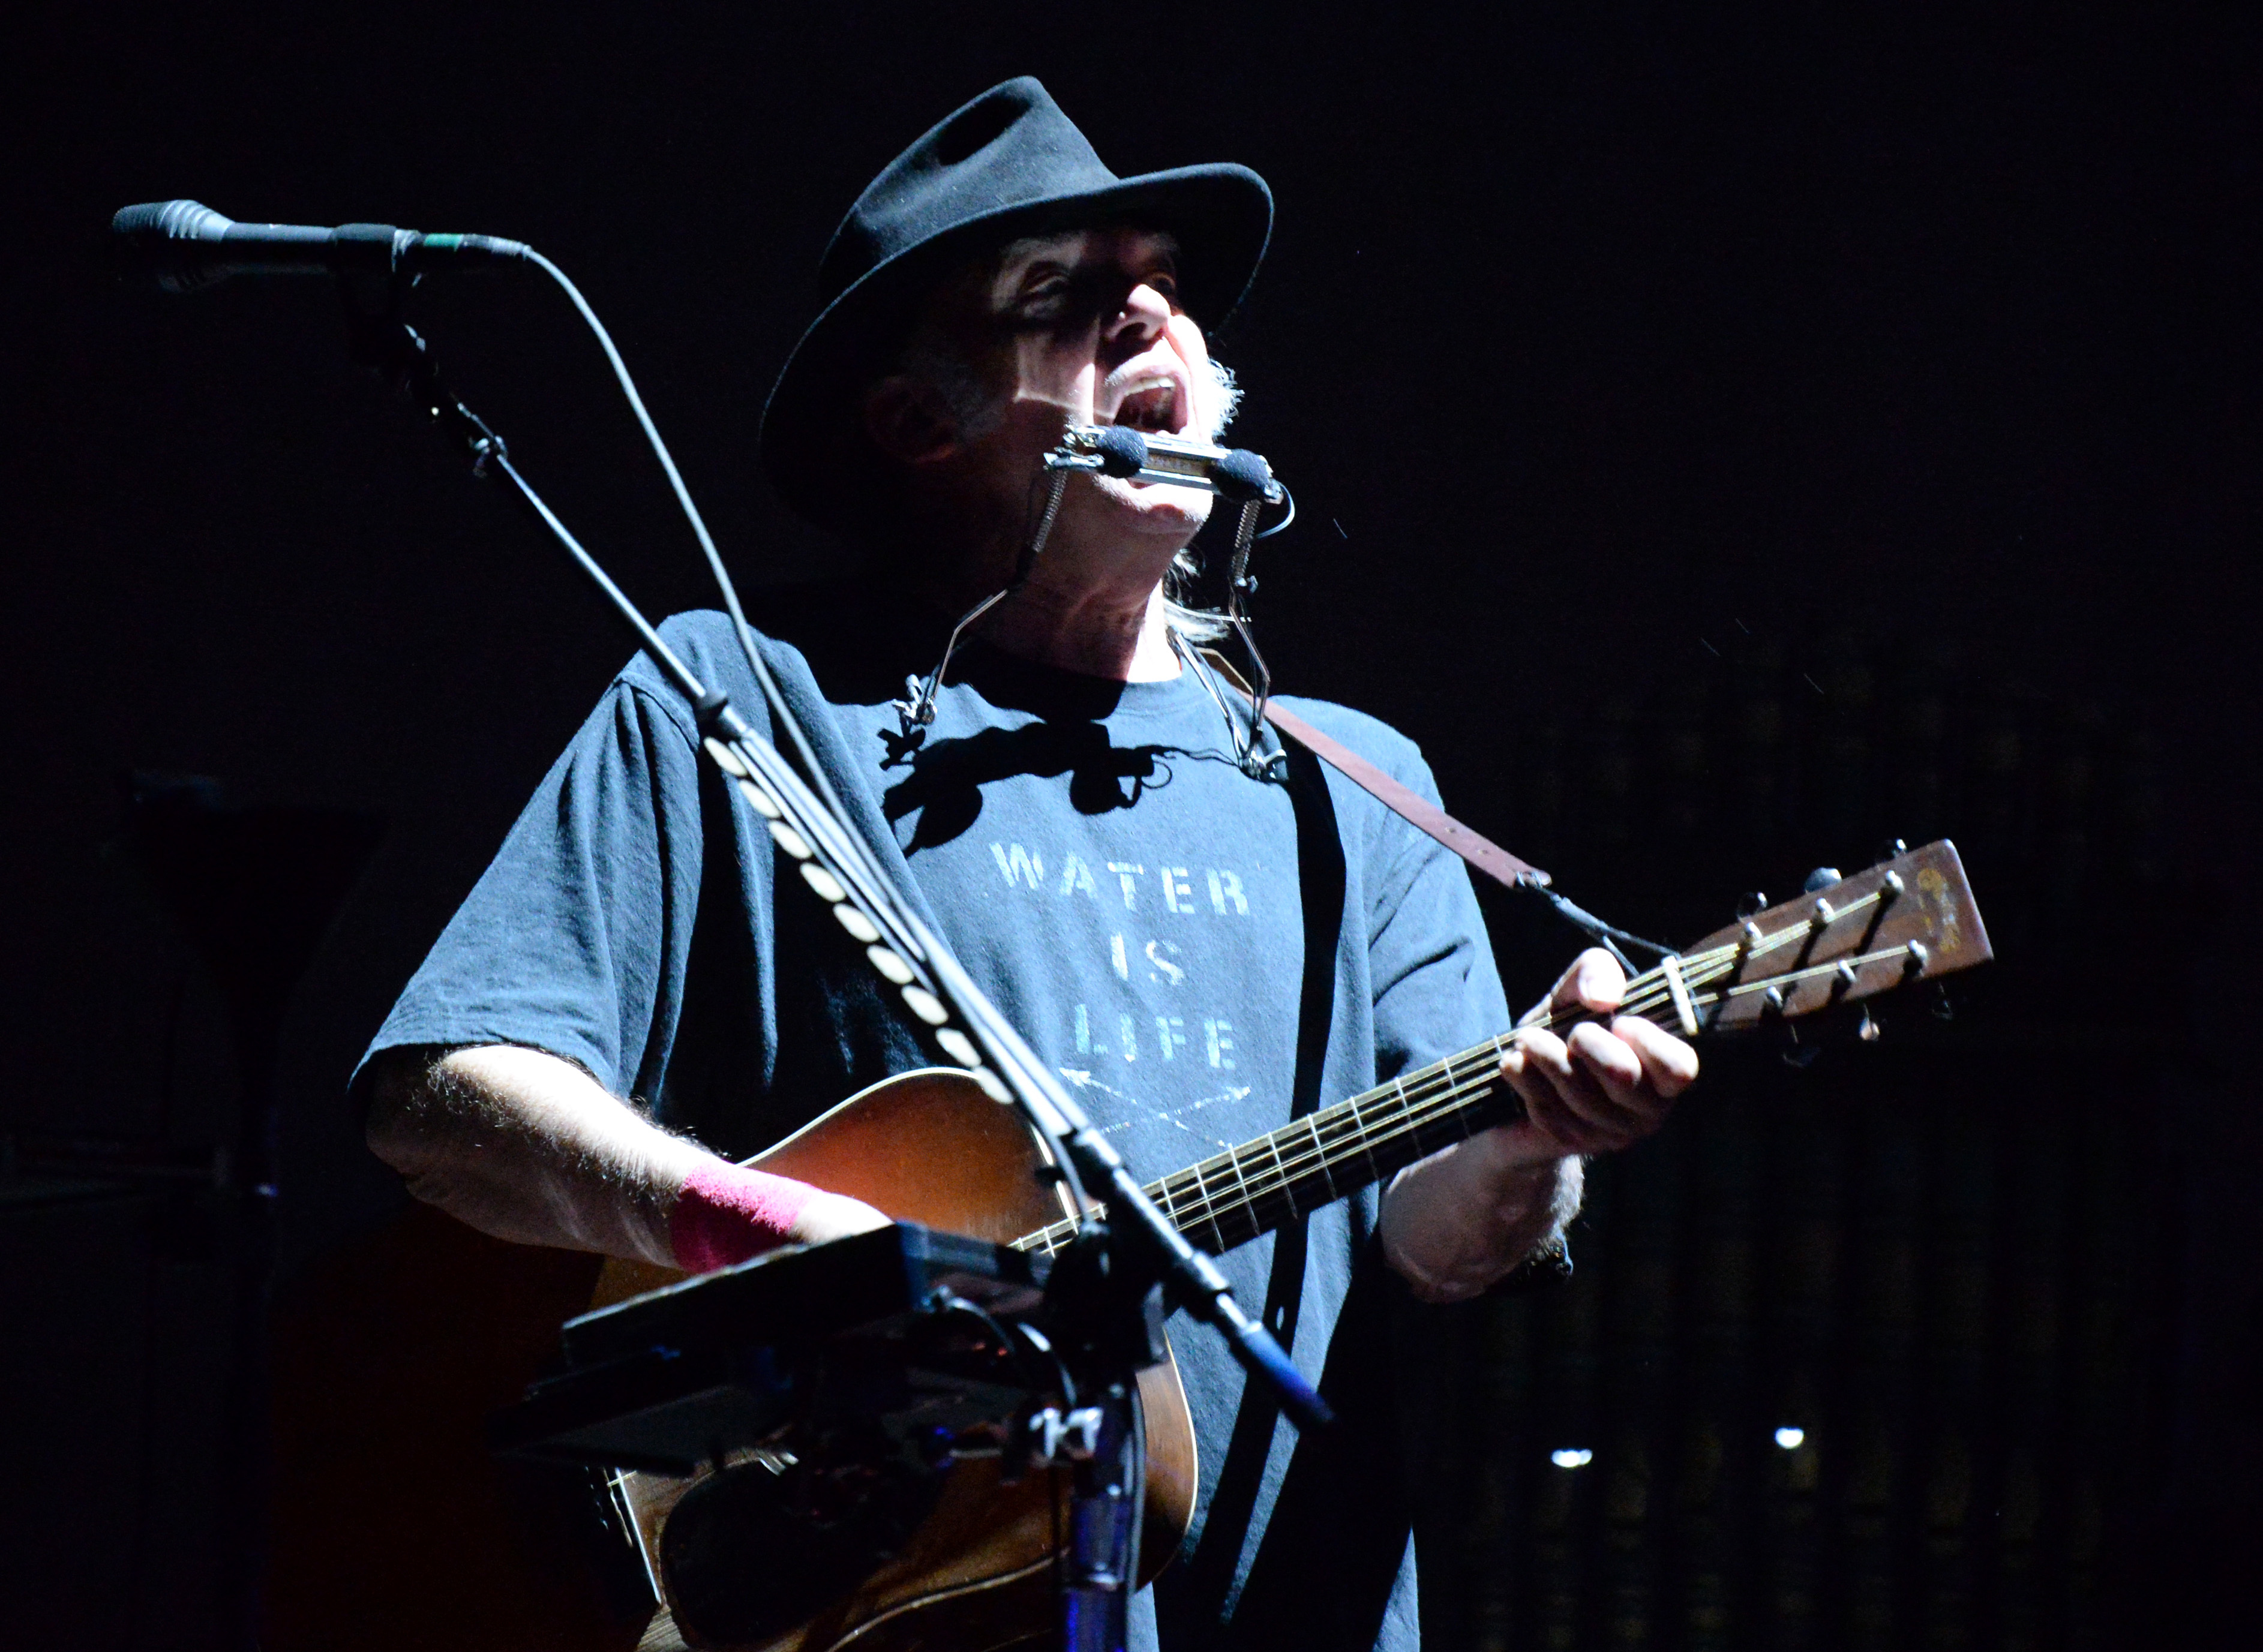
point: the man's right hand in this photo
(831, 1216)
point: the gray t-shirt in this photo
(1141, 911)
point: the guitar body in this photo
(930, 1147)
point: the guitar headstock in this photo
(1906, 919)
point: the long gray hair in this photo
(1200, 625)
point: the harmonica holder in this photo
(1235, 474)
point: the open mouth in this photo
(1150, 405)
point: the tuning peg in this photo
(1821, 877)
(1895, 849)
(1867, 1028)
(1943, 1008)
(1750, 902)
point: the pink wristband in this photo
(727, 1213)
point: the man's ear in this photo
(907, 420)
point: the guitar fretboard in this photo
(1231, 1198)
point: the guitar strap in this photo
(1474, 847)
(1403, 800)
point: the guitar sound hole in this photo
(748, 1555)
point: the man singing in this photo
(631, 998)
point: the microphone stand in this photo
(1109, 1285)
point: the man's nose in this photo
(1140, 318)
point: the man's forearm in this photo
(1462, 1219)
(527, 1146)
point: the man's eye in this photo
(1164, 282)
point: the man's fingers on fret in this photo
(1547, 1112)
(1528, 1073)
(1547, 1068)
(1537, 1050)
(1609, 1059)
(1569, 1067)
(1598, 1124)
(1670, 1065)
(1562, 1098)
(1610, 1096)
(1595, 982)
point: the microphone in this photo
(1117, 449)
(183, 246)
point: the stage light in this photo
(1574, 1457)
(1791, 1438)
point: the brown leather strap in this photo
(1473, 847)
(1478, 849)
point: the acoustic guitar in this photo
(932, 1147)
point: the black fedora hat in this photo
(1009, 163)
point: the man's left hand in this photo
(1462, 1219)
(1603, 1086)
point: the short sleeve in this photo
(576, 939)
(1437, 991)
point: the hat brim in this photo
(811, 445)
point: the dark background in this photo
(1678, 407)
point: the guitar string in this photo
(1434, 1105)
(1219, 1211)
(1430, 1107)
(1439, 1092)
(1648, 994)
(1367, 1115)
(1177, 1203)
(1356, 1125)
(1429, 1102)
(1378, 1126)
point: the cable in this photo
(1583, 919)
(1021, 1351)
(780, 713)
(1286, 520)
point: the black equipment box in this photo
(690, 1373)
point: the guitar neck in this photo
(1231, 1198)
(1234, 1197)
(1906, 918)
